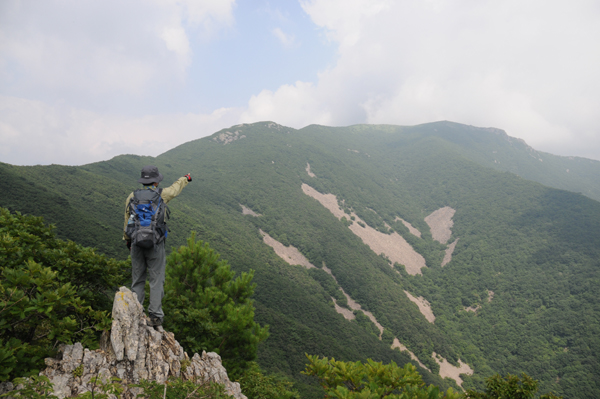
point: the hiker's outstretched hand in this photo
(188, 177)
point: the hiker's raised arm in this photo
(175, 189)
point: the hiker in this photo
(145, 234)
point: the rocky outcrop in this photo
(228, 137)
(132, 352)
(6, 387)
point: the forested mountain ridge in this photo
(518, 295)
(494, 148)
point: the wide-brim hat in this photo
(150, 174)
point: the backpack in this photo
(146, 226)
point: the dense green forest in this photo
(535, 247)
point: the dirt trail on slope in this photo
(450, 371)
(424, 306)
(440, 223)
(289, 254)
(311, 174)
(394, 246)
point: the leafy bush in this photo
(51, 292)
(373, 380)
(509, 387)
(34, 387)
(40, 387)
(256, 384)
(180, 389)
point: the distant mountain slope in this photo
(81, 204)
(493, 148)
(519, 286)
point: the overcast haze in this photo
(83, 81)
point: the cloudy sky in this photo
(82, 81)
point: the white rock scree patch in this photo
(397, 344)
(347, 313)
(413, 230)
(248, 211)
(446, 369)
(423, 305)
(311, 174)
(448, 253)
(440, 223)
(449, 371)
(354, 305)
(289, 254)
(397, 250)
(393, 246)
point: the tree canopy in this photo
(208, 309)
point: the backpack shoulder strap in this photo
(167, 210)
(132, 199)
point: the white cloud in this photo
(344, 18)
(291, 105)
(176, 41)
(72, 73)
(529, 68)
(77, 50)
(209, 13)
(285, 39)
(32, 132)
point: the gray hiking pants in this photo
(149, 263)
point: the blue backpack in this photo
(147, 226)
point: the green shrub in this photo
(51, 291)
(208, 309)
(256, 384)
(373, 380)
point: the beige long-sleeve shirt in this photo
(167, 195)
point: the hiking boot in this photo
(154, 322)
